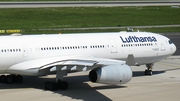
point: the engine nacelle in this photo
(111, 74)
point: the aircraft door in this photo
(162, 45)
(25, 50)
(113, 46)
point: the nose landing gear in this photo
(148, 71)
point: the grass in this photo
(157, 30)
(32, 19)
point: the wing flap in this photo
(69, 63)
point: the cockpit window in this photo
(170, 42)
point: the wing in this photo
(46, 66)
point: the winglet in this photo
(131, 60)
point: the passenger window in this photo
(170, 42)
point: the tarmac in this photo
(38, 4)
(163, 85)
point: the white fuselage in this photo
(146, 47)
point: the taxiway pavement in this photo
(86, 3)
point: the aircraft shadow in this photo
(141, 73)
(78, 88)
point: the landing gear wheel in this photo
(18, 79)
(47, 85)
(2, 79)
(52, 86)
(148, 72)
(64, 85)
(9, 79)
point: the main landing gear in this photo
(58, 84)
(148, 71)
(52, 86)
(63, 85)
(8, 79)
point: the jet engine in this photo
(111, 74)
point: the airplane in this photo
(108, 56)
